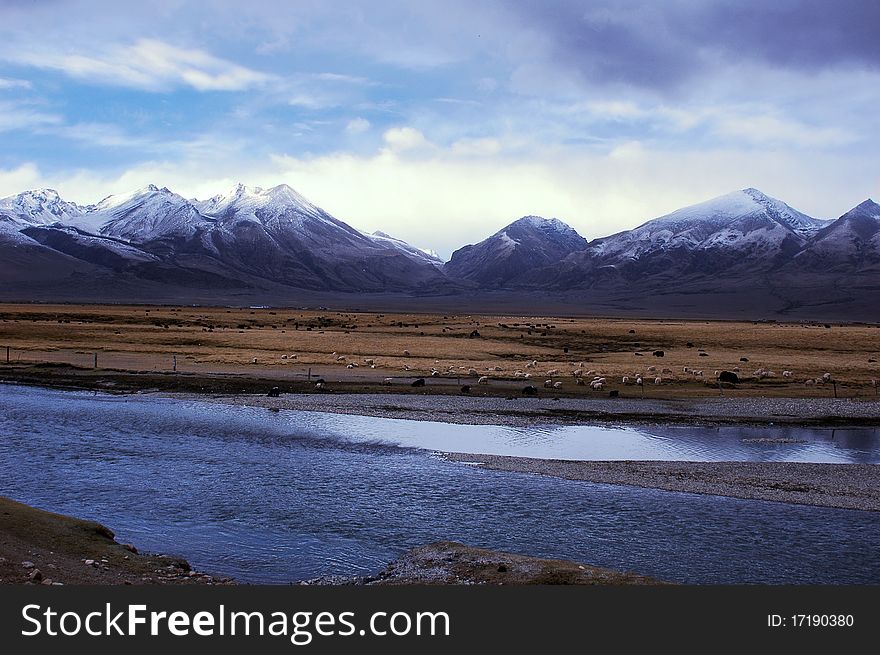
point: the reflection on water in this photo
(276, 497)
(588, 442)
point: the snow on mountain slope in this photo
(386, 240)
(39, 207)
(744, 220)
(270, 207)
(852, 241)
(147, 215)
(527, 243)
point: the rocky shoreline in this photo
(44, 548)
(451, 563)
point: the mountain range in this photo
(741, 254)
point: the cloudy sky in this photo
(441, 121)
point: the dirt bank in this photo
(38, 547)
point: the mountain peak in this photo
(539, 223)
(756, 194)
(40, 206)
(868, 207)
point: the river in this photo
(275, 497)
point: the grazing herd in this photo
(595, 379)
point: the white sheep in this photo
(406, 353)
(580, 382)
(639, 381)
(527, 376)
(658, 380)
(552, 372)
(341, 358)
(595, 385)
(283, 356)
(254, 360)
(652, 369)
(435, 373)
(625, 379)
(387, 381)
(319, 385)
(809, 382)
(578, 372)
(787, 374)
(532, 364)
(483, 380)
(826, 377)
(548, 384)
(557, 385)
(407, 367)
(472, 372)
(368, 361)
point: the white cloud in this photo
(21, 116)
(7, 83)
(444, 197)
(772, 130)
(22, 178)
(401, 139)
(148, 64)
(357, 125)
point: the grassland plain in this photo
(248, 349)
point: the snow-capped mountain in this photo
(271, 243)
(39, 207)
(526, 244)
(851, 243)
(146, 215)
(747, 221)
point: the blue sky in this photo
(440, 122)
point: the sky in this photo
(439, 122)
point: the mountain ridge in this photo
(252, 240)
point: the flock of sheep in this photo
(582, 376)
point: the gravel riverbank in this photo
(519, 411)
(845, 486)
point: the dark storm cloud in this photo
(661, 45)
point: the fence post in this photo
(310, 373)
(96, 360)
(174, 363)
(7, 354)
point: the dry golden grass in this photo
(262, 341)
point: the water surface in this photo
(269, 497)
